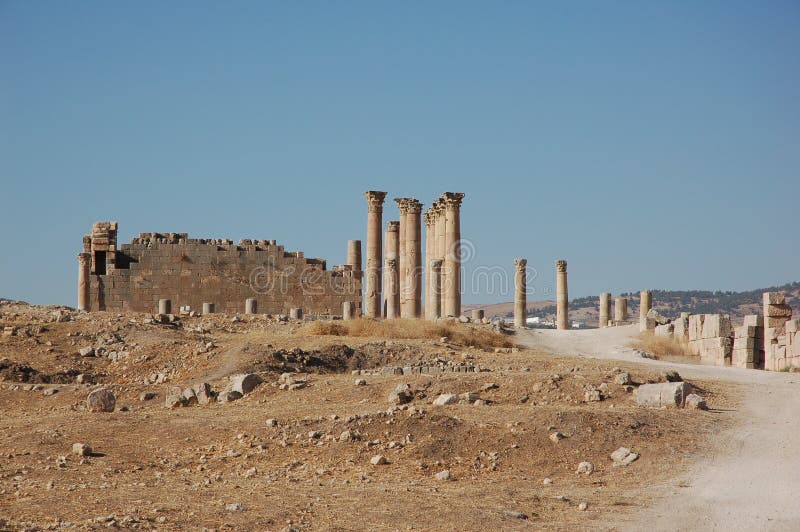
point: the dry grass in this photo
(456, 333)
(661, 346)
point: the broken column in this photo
(354, 256)
(605, 309)
(372, 292)
(391, 291)
(520, 293)
(477, 315)
(562, 296)
(250, 305)
(84, 280)
(452, 258)
(620, 310)
(436, 288)
(208, 308)
(296, 313)
(645, 304)
(413, 268)
(164, 306)
(776, 314)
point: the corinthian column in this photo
(372, 292)
(520, 293)
(436, 288)
(562, 297)
(392, 253)
(402, 262)
(413, 260)
(452, 259)
(440, 223)
(84, 271)
(429, 244)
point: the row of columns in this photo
(402, 280)
(520, 294)
(621, 308)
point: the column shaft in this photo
(605, 310)
(452, 260)
(520, 293)
(562, 296)
(436, 288)
(392, 305)
(372, 291)
(645, 304)
(84, 280)
(392, 253)
(414, 259)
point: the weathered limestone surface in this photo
(372, 290)
(402, 258)
(645, 304)
(780, 337)
(429, 256)
(562, 296)
(520, 293)
(348, 310)
(605, 309)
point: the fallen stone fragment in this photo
(583, 506)
(245, 383)
(81, 449)
(622, 379)
(585, 467)
(102, 400)
(228, 396)
(696, 402)
(444, 475)
(378, 459)
(272, 422)
(360, 382)
(401, 395)
(623, 456)
(87, 351)
(556, 436)
(665, 394)
(234, 507)
(446, 399)
(147, 396)
(516, 515)
(203, 393)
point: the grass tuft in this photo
(661, 346)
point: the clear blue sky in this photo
(652, 144)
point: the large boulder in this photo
(245, 382)
(101, 401)
(663, 394)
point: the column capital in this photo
(393, 225)
(402, 204)
(452, 200)
(375, 200)
(84, 257)
(430, 217)
(561, 265)
(413, 205)
(436, 264)
(520, 264)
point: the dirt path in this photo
(753, 480)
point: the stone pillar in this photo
(208, 308)
(520, 294)
(429, 253)
(392, 289)
(436, 288)
(372, 292)
(620, 309)
(645, 304)
(562, 296)
(605, 309)
(164, 306)
(84, 280)
(402, 260)
(296, 313)
(452, 259)
(477, 315)
(348, 312)
(250, 306)
(354, 260)
(441, 244)
(413, 268)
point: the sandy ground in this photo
(752, 481)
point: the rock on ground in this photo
(446, 399)
(696, 402)
(585, 467)
(81, 449)
(623, 456)
(401, 395)
(664, 394)
(101, 401)
(245, 383)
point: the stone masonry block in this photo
(754, 320)
(778, 311)
(745, 331)
(773, 298)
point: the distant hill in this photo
(668, 302)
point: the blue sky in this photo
(651, 144)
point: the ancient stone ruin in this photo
(251, 276)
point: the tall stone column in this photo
(645, 304)
(413, 269)
(392, 251)
(84, 280)
(436, 288)
(441, 245)
(392, 289)
(372, 290)
(620, 309)
(520, 293)
(562, 296)
(605, 309)
(354, 261)
(452, 259)
(402, 259)
(429, 247)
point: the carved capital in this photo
(430, 217)
(375, 200)
(436, 264)
(84, 258)
(452, 200)
(402, 204)
(520, 264)
(561, 265)
(393, 225)
(414, 206)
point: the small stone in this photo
(623, 456)
(378, 459)
(585, 467)
(547, 481)
(401, 395)
(245, 383)
(234, 507)
(694, 401)
(444, 475)
(272, 422)
(489, 386)
(147, 396)
(622, 379)
(102, 400)
(516, 515)
(81, 449)
(50, 391)
(446, 399)
(87, 351)
(360, 382)
(228, 396)
(583, 506)
(556, 436)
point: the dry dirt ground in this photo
(221, 466)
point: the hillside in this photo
(668, 302)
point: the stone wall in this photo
(191, 272)
(781, 349)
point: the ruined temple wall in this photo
(194, 271)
